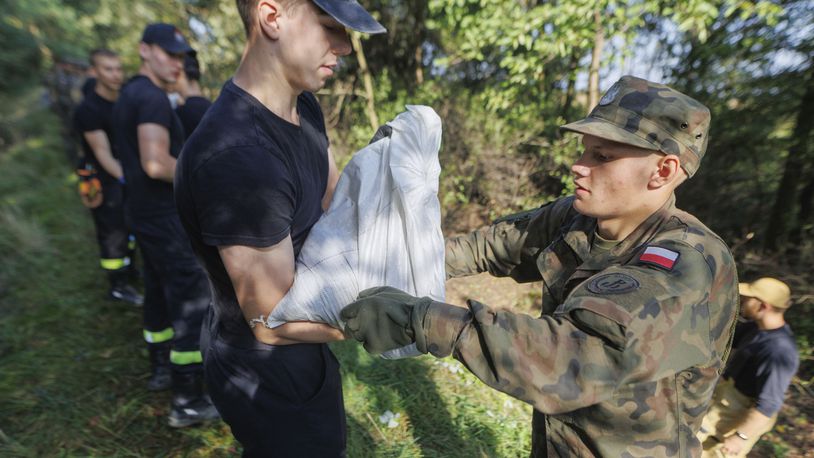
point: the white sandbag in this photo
(383, 228)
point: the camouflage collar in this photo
(579, 236)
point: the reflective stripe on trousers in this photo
(115, 263)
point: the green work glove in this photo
(385, 318)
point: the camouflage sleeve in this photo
(509, 246)
(627, 324)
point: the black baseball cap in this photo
(352, 15)
(167, 36)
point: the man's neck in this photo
(146, 71)
(105, 92)
(770, 322)
(260, 75)
(621, 227)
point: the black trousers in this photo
(176, 289)
(111, 230)
(280, 401)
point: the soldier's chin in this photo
(581, 207)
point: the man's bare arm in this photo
(100, 144)
(261, 277)
(753, 423)
(333, 178)
(154, 151)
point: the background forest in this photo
(503, 75)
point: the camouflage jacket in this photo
(625, 356)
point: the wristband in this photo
(741, 435)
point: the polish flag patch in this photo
(659, 257)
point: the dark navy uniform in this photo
(247, 177)
(115, 244)
(176, 290)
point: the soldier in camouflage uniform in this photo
(639, 298)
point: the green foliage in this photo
(517, 44)
(754, 104)
(21, 55)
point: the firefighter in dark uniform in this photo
(100, 175)
(639, 297)
(149, 137)
(251, 182)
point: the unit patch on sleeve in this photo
(613, 283)
(659, 257)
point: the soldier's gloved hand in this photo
(385, 318)
(381, 132)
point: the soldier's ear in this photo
(668, 172)
(268, 15)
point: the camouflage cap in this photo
(649, 115)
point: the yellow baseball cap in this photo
(769, 290)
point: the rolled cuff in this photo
(440, 328)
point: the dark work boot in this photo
(190, 405)
(121, 291)
(161, 374)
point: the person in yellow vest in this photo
(764, 359)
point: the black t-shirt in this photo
(191, 112)
(141, 102)
(88, 86)
(248, 177)
(94, 113)
(762, 364)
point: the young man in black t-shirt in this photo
(193, 104)
(92, 125)
(149, 137)
(251, 181)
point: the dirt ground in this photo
(496, 292)
(792, 437)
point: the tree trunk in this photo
(367, 79)
(419, 8)
(787, 191)
(596, 56)
(419, 66)
(570, 91)
(804, 218)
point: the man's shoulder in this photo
(90, 114)
(785, 342)
(83, 110)
(561, 209)
(140, 83)
(683, 230)
(226, 129)
(94, 105)
(140, 90)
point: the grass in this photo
(73, 365)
